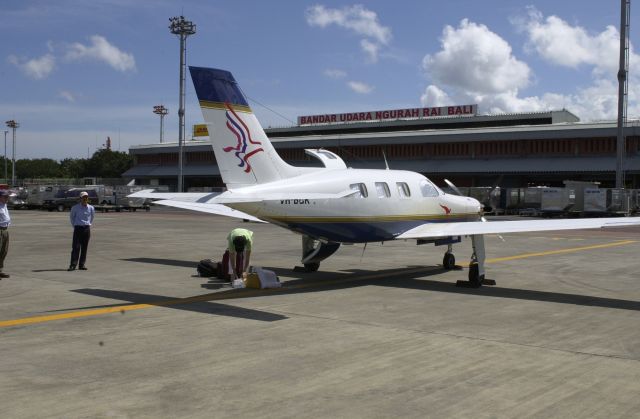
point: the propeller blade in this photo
(453, 187)
(484, 220)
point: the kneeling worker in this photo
(240, 241)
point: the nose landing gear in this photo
(449, 260)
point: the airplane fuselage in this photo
(378, 205)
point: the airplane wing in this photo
(208, 208)
(431, 230)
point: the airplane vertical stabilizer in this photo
(243, 152)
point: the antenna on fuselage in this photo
(363, 249)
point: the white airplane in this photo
(334, 204)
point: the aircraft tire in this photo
(311, 267)
(474, 277)
(449, 261)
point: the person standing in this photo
(81, 217)
(5, 222)
(239, 241)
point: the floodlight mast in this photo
(5, 155)
(622, 91)
(162, 111)
(13, 125)
(180, 26)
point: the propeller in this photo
(485, 206)
(453, 187)
(486, 198)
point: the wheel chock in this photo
(467, 284)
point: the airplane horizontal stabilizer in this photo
(209, 208)
(430, 230)
(178, 196)
(230, 198)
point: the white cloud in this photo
(101, 50)
(371, 49)
(579, 49)
(475, 65)
(67, 95)
(475, 60)
(571, 46)
(361, 21)
(360, 87)
(36, 68)
(356, 86)
(434, 96)
(335, 73)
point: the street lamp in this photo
(162, 111)
(5, 155)
(13, 125)
(181, 26)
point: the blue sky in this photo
(74, 72)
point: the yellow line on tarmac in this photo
(560, 251)
(240, 293)
(95, 312)
(252, 293)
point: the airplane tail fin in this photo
(244, 154)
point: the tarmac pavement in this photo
(377, 332)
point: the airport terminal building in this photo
(524, 149)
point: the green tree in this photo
(73, 168)
(37, 168)
(108, 164)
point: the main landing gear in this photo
(476, 265)
(315, 251)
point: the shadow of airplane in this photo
(416, 278)
(198, 304)
(48, 270)
(170, 262)
(412, 277)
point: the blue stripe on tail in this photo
(213, 85)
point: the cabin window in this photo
(383, 190)
(403, 190)
(427, 188)
(360, 190)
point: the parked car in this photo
(39, 194)
(17, 198)
(64, 200)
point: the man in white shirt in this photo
(81, 218)
(5, 222)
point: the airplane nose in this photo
(474, 206)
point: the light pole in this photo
(162, 111)
(13, 125)
(623, 70)
(181, 26)
(5, 155)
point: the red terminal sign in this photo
(415, 113)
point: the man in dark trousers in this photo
(5, 222)
(81, 217)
